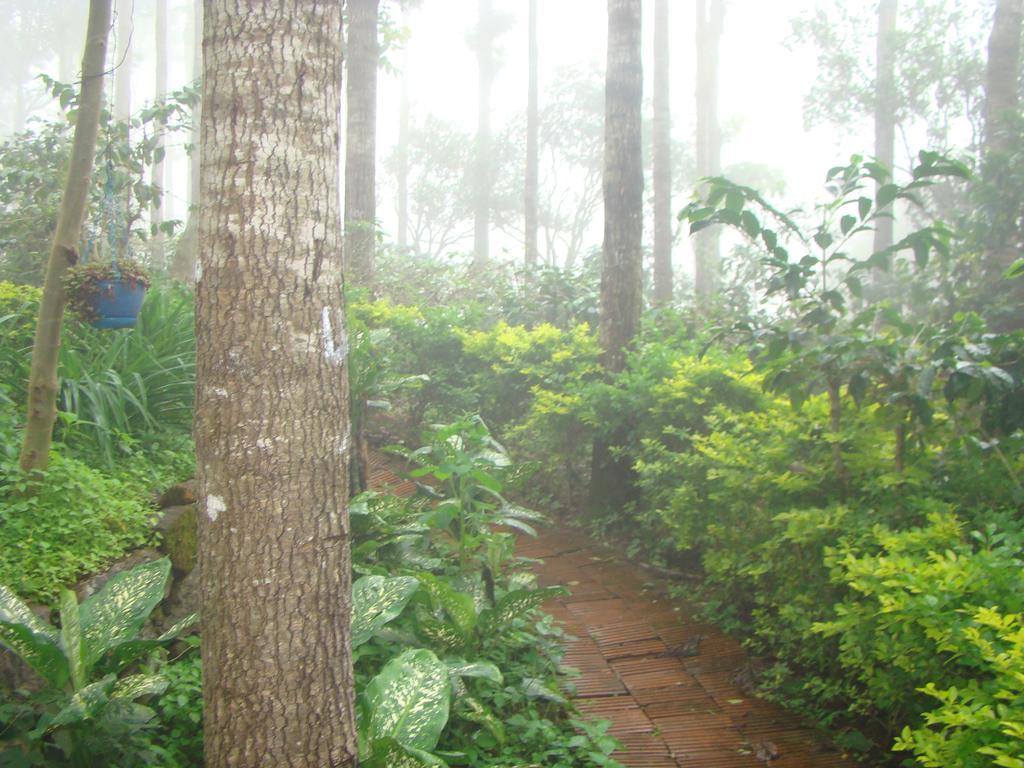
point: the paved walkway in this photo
(671, 686)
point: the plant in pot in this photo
(107, 294)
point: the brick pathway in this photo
(667, 683)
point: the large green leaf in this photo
(460, 606)
(84, 704)
(125, 653)
(409, 700)
(388, 753)
(484, 669)
(515, 604)
(116, 613)
(31, 639)
(71, 638)
(134, 686)
(376, 600)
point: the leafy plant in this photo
(89, 706)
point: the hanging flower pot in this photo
(107, 295)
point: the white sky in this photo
(762, 82)
(761, 91)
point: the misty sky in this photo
(763, 82)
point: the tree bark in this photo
(272, 422)
(123, 64)
(1002, 91)
(482, 193)
(532, 194)
(662, 155)
(196, 76)
(710, 23)
(42, 387)
(403, 158)
(835, 411)
(622, 268)
(361, 143)
(885, 107)
(156, 211)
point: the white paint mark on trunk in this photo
(214, 506)
(333, 354)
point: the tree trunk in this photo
(123, 63)
(195, 77)
(482, 193)
(272, 422)
(1002, 113)
(835, 410)
(710, 22)
(403, 158)
(1002, 92)
(156, 211)
(621, 272)
(662, 154)
(885, 108)
(532, 194)
(186, 249)
(42, 386)
(361, 143)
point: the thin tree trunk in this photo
(156, 211)
(482, 194)
(900, 453)
(622, 267)
(1002, 91)
(710, 23)
(532, 193)
(403, 158)
(885, 106)
(272, 422)
(361, 143)
(195, 77)
(835, 410)
(42, 388)
(123, 63)
(186, 250)
(662, 155)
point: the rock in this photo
(178, 526)
(94, 584)
(183, 601)
(179, 495)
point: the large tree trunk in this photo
(42, 385)
(1002, 90)
(272, 422)
(361, 143)
(710, 22)
(662, 155)
(885, 106)
(403, 158)
(532, 195)
(622, 267)
(482, 193)
(156, 211)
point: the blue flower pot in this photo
(117, 303)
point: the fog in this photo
(765, 79)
